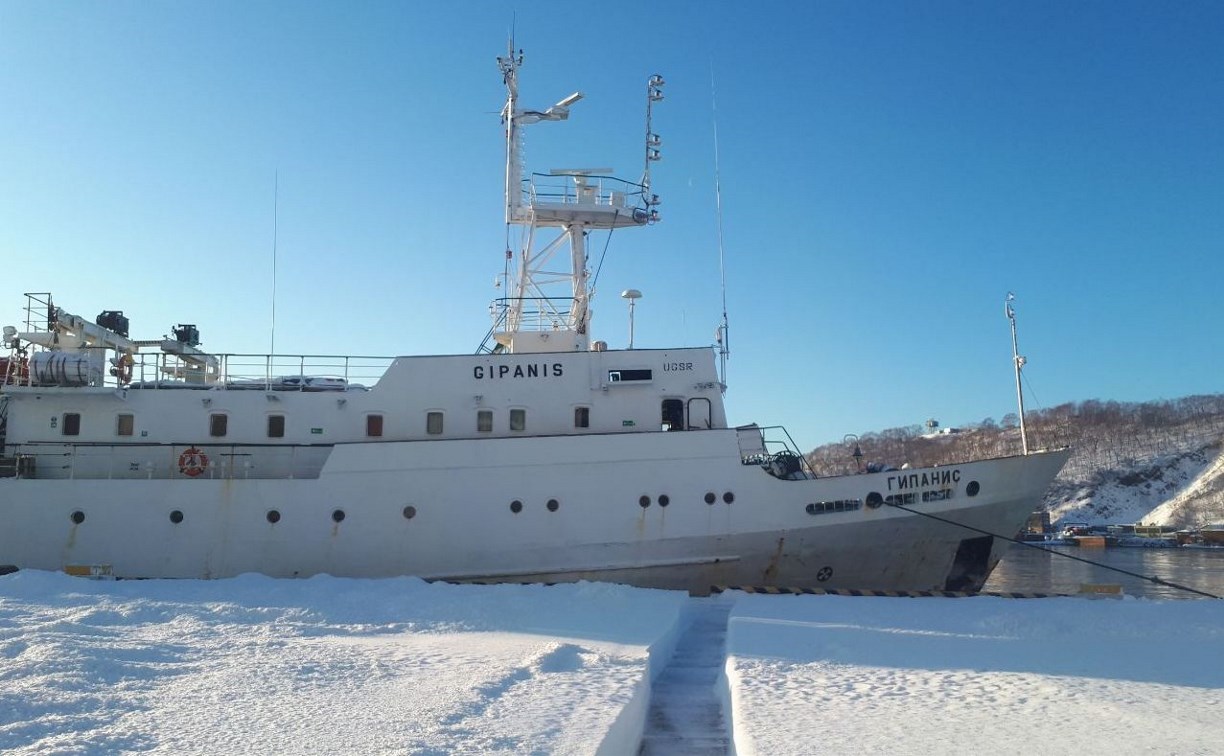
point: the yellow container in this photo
(1101, 589)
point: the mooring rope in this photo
(1150, 578)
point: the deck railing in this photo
(153, 370)
(592, 190)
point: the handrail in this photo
(788, 444)
(272, 372)
(563, 189)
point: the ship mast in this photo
(547, 302)
(1018, 361)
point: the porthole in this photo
(273, 516)
(644, 501)
(874, 500)
(338, 515)
(973, 488)
(409, 512)
(176, 517)
(664, 500)
(728, 497)
(516, 506)
(78, 517)
(553, 505)
(710, 498)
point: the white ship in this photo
(548, 457)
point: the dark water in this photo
(1029, 570)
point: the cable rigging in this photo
(1149, 578)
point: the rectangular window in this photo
(622, 376)
(840, 505)
(72, 424)
(433, 423)
(276, 426)
(518, 419)
(125, 425)
(218, 424)
(484, 421)
(374, 425)
(582, 417)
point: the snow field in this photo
(328, 665)
(839, 675)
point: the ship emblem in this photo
(193, 462)
(824, 573)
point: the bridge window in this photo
(276, 426)
(433, 423)
(582, 417)
(626, 376)
(218, 424)
(72, 424)
(374, 425)
(518, 419)
(484, 421)
(125, 424)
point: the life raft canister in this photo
(193, 462)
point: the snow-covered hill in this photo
(1184, 489)
(1157, 463)
(1200, 503)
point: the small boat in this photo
(544, 456)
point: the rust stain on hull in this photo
(771, 572)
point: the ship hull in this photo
(626, 509)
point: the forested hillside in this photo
(1158, 462)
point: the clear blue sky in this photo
(889, 172)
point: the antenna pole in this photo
(723, 332)
(275, 217)
(1018, 361)
(654, 93)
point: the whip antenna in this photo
(722, 332)
(275, 216)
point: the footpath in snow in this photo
(331, 665)
(688, 697)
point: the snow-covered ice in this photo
(331, 665)
(834, 674)
(324, 665)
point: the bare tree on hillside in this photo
(1102, 434)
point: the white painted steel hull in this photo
(463, 527)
